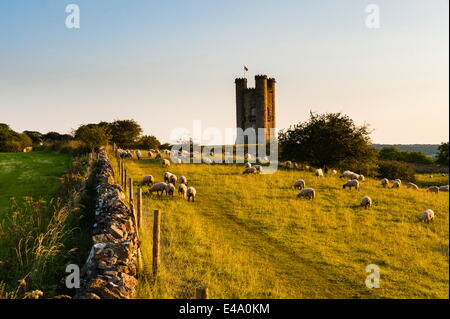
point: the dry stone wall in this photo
(110, 271)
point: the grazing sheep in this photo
(148, 180)
(366, 202)
(165, 163)
(299, 184)
(433, 189)
(384, 182)
(158, 187)
(167, 176)
(351, 183)
(319, 172)
(396, 184)
(346, 174)
(173, 179)
(334, 172)
(247, 165)
(191, 192)
(427, 216)
(170, 189)
(289, 165)
(412, 186)
(182, 190)
(250, 170)
(138, 155)
(248, 156)
(361, 178)
(158, 156)
(258, 168)
(150, 154)
(398, 180)
(307, 193)
(183, 180)
(206, 160)
(444, 188)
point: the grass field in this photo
(32, 174)
(249, 237)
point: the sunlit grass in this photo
(249, 237)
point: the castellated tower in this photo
(255, 107)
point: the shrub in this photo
(394, 169)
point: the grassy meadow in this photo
(250, 237)
(33, 174)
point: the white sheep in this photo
(351, 183)
(444, 188)
(165, 163)
(319, 172)
(248, 156)
(412, 186)
(170, 189)
(138, 154)
(384, 182)
(183, 180)
(396, 184)
(191, 192)
(158, 187)
(148, 180)
(346, 174)
(247, 165)
(167, 176)
(433, 189)
(258, 168)
(250, 170)
(334, 172)
(427, 216)
(206, 160)
(361, 178)
(366, 202)
(299, 184)
(182, 190)
(173, 179)
(307, 193)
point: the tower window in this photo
(253, 114)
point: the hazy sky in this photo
(167, 63)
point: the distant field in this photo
(249, 237)
(30, 174)
(429, 149)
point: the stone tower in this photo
(255, 107)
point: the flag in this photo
(245, 68)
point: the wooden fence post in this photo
(156, 237)
(125, 179)
(201, 292)
(130, 191)
(139, 206)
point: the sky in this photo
(168, 63)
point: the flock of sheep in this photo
(354, 179)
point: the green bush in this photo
(394, 169)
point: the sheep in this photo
(299, 184)
(247, 165)
(307, 193)
(361, 178)
(165, 163)
(396, 184)
(158, 187)
(398, 180)
(170, 189)
(150, 154)
(206, 160)
(334, 172)
(191, 192)
(384, 182)
(351, 183)
(248, 156)
(158, 156)
(427, 216)
(167, 176)
(319, 172)
(433, 189)
(346, 174)
(183, 180)
(258, 168)
(412, 186)
(148, 180)
(444, 188)
(138, 154)
(173, 179)
(250, 170)
(289, 165)
(182, 189)
(366, 202)
(176, 160)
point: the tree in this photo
(125, 133)
(35, 136)
(392, 153)
(56, 137)
(92, 136)
(329, 140)
(148, 142)
(442, 157)
(11, 141)
(394, 169)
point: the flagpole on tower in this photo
(245, 70)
